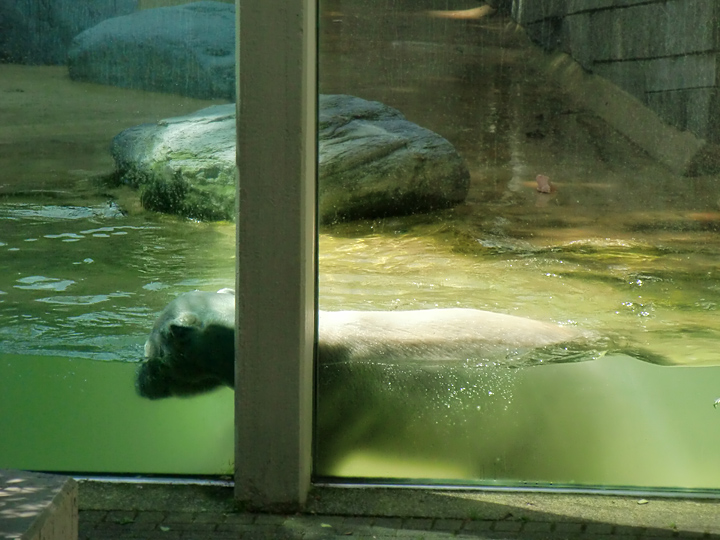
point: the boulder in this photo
(187, 50)
(372, 163)
(40, 32)
(183, 165)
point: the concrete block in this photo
(678, 72)
(671, 146)
(529, 11)
(654, 30)
(35, 506)
(547, 33)
(625, 34)
(690, 109)
(578, 39)
(584, 6)
(690, 26)
(630, 76)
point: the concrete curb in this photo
(179, 511)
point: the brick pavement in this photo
(170, 512)
(158, 525)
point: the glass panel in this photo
(590, 216)
(90, 251)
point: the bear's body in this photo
(191, 348)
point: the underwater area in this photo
(622, 247)
(84, 273)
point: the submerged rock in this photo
(40, 32)
(372, 163)
(187, 50)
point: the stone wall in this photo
(663, 52)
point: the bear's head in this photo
(191, 347)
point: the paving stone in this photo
(358, 521)
(418, 524)
(599, 528)
(537, 527)
(293, 535)
(568, 528)
(244, 528)
(92, 516)
(407, 534)
(142, 526)
(210, 517)
(448, 524)
(112, 527)
(154, 517)
(389, 523)
(179, 517)
(336, 522)
(239, 518)
(215, 536)
(477, 525)
(508, 526)
(269, 519)
(626, 531)
(197, 526)
(120, 516)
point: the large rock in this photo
(187, 50)
(183, 165)
(40, 32)
(373, 163)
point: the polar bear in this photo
(191, 347)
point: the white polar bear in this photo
(191, 348)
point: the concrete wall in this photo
(664, 52)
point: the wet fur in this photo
(191, 348)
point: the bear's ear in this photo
(183, 325)
(187, 320)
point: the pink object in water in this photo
(543, 184)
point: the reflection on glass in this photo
(591, 206)
(86, 260)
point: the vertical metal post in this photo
(276, 155)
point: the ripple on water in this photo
(155, 286)
(66, 237)
(82, 300)
(18, 211)
(42, 283)
(110, 319)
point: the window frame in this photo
(276, 77)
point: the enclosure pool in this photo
(622, 248)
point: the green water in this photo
(616, 421)
(622, 247)
(79, 292)
(92, 286)
(611, 422)
(78, 415)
